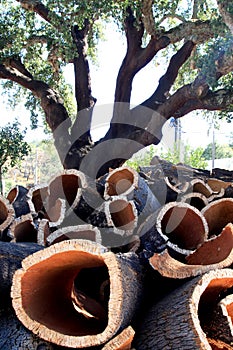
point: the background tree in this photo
(13, 148)
(221, 151)
(38, 38)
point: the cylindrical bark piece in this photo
(195, 199)
(218, 214)
(87, 232)
(126, 182)
(182, 226)
(23, 229)
(177, 321)
(17, 196)
(7, 215)
(76, 293)
(213, 254)
(122, 341)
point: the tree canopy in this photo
(38, 38)
(12, 147)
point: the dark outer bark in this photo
(13, 335)
(172, 323)
(168, 79)
(11, 255)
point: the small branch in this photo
(148, 18)
(173, 15)
(213, 101)
(39, 8)
(197, 31)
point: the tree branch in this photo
(39, 8)
(219, 100)
(52, 104)
(136, 57)
(80, 131)
(224, 6)
(196, 31)
(167, 80)
(199, 88)
(36, 6)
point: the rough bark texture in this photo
(176, 322)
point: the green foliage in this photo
(142, 158)
(221, 151)
(185, 154)
(13, 148)
(26, 35)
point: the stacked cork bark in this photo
(129, 261)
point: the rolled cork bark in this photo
(218, 214)
(17, 196)
(7, 215)
(182, 226)
(23, 229)
(195, 199)
(75, 232)
(178, 320)
(122, 341)
(76, 293)
(213, 254)
(216, 185)
(204, 188)
(126, 182)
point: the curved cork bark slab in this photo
(204, 188)
(121, 214)
(182, 226)
(17, 196)
(76, 293)
(43, 232)
(195, 199)
(122, 341)
(126, 182)
(220, 327)
(23, 229)
(217, 185)
(79, 193)
(218, 214)
(87, 232)
(121, 181)
(213, 254)
(37, 199)
(177, 186)
(178, 320)
(7, 215)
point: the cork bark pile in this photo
(133, 260)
